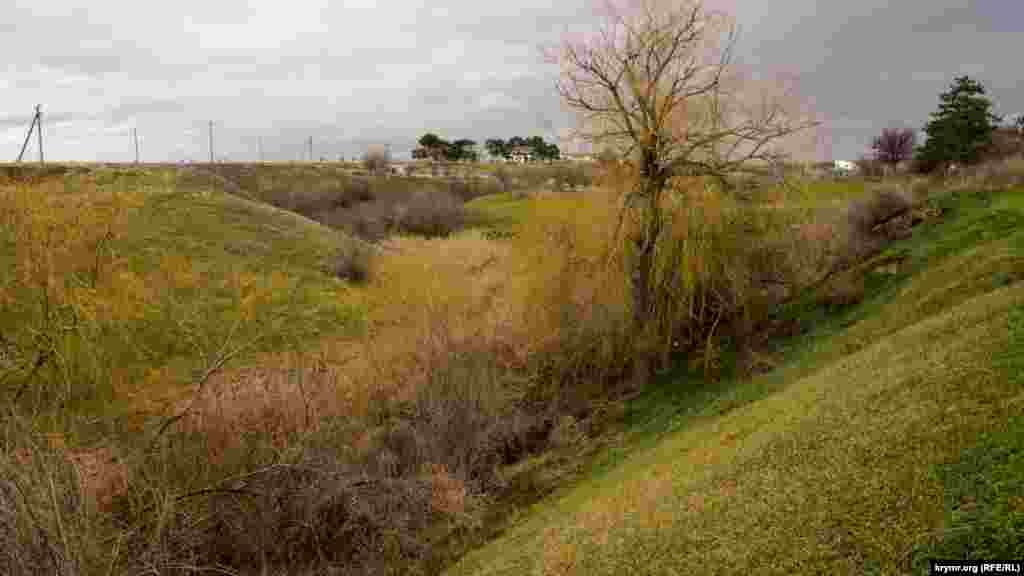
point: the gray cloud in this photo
(23, 121)
(874, 63)
(358, 72)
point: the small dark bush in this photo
(360, 190)
(462, 190)
(503, 177)
(871, 168)
(470, 189)
(572, 176)
(353, 264)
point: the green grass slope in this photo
(891, 434)
(185, 270)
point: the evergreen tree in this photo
(961, 129)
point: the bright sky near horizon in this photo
(356, 72)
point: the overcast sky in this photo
(355, 72)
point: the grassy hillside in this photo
(150, 274)
(889, 433)
(188, 382)
(195, 376)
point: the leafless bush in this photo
(993, 175)
(565, 176)
(353, 263)
(430, 214)
(466, 415)
(360, 190)
(320, 508)
(1006, 143)
(894, 145)
(468, 189)
(881, 207)
(871, 168)
(43, 515)
(844, 290)
(377, 160)
(821, 254)
(318, 514)
(375, 496)
(504, 178)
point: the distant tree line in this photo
(436, 148)
(535, 146)
(962, 131)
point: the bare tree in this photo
(657, 84)
(894, 145)
(377, 159)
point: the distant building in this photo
(521, 155)
(844, 167)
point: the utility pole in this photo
(28, 135)
(39, 130)
(211, 141)
(261, 148)
(135, 137)
(310, 148)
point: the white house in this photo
(521, 155)
(844, 167)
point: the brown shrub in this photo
(871, 168)
(997, 174)
(470, 188)
(372, 496)
(45, 517)
(843, 291)
(353, 264)
(429, 214)
(318, 510)
(882, 206)
(360, 190)
(504, 178)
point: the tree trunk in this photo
(642, 281)
(642, 296)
